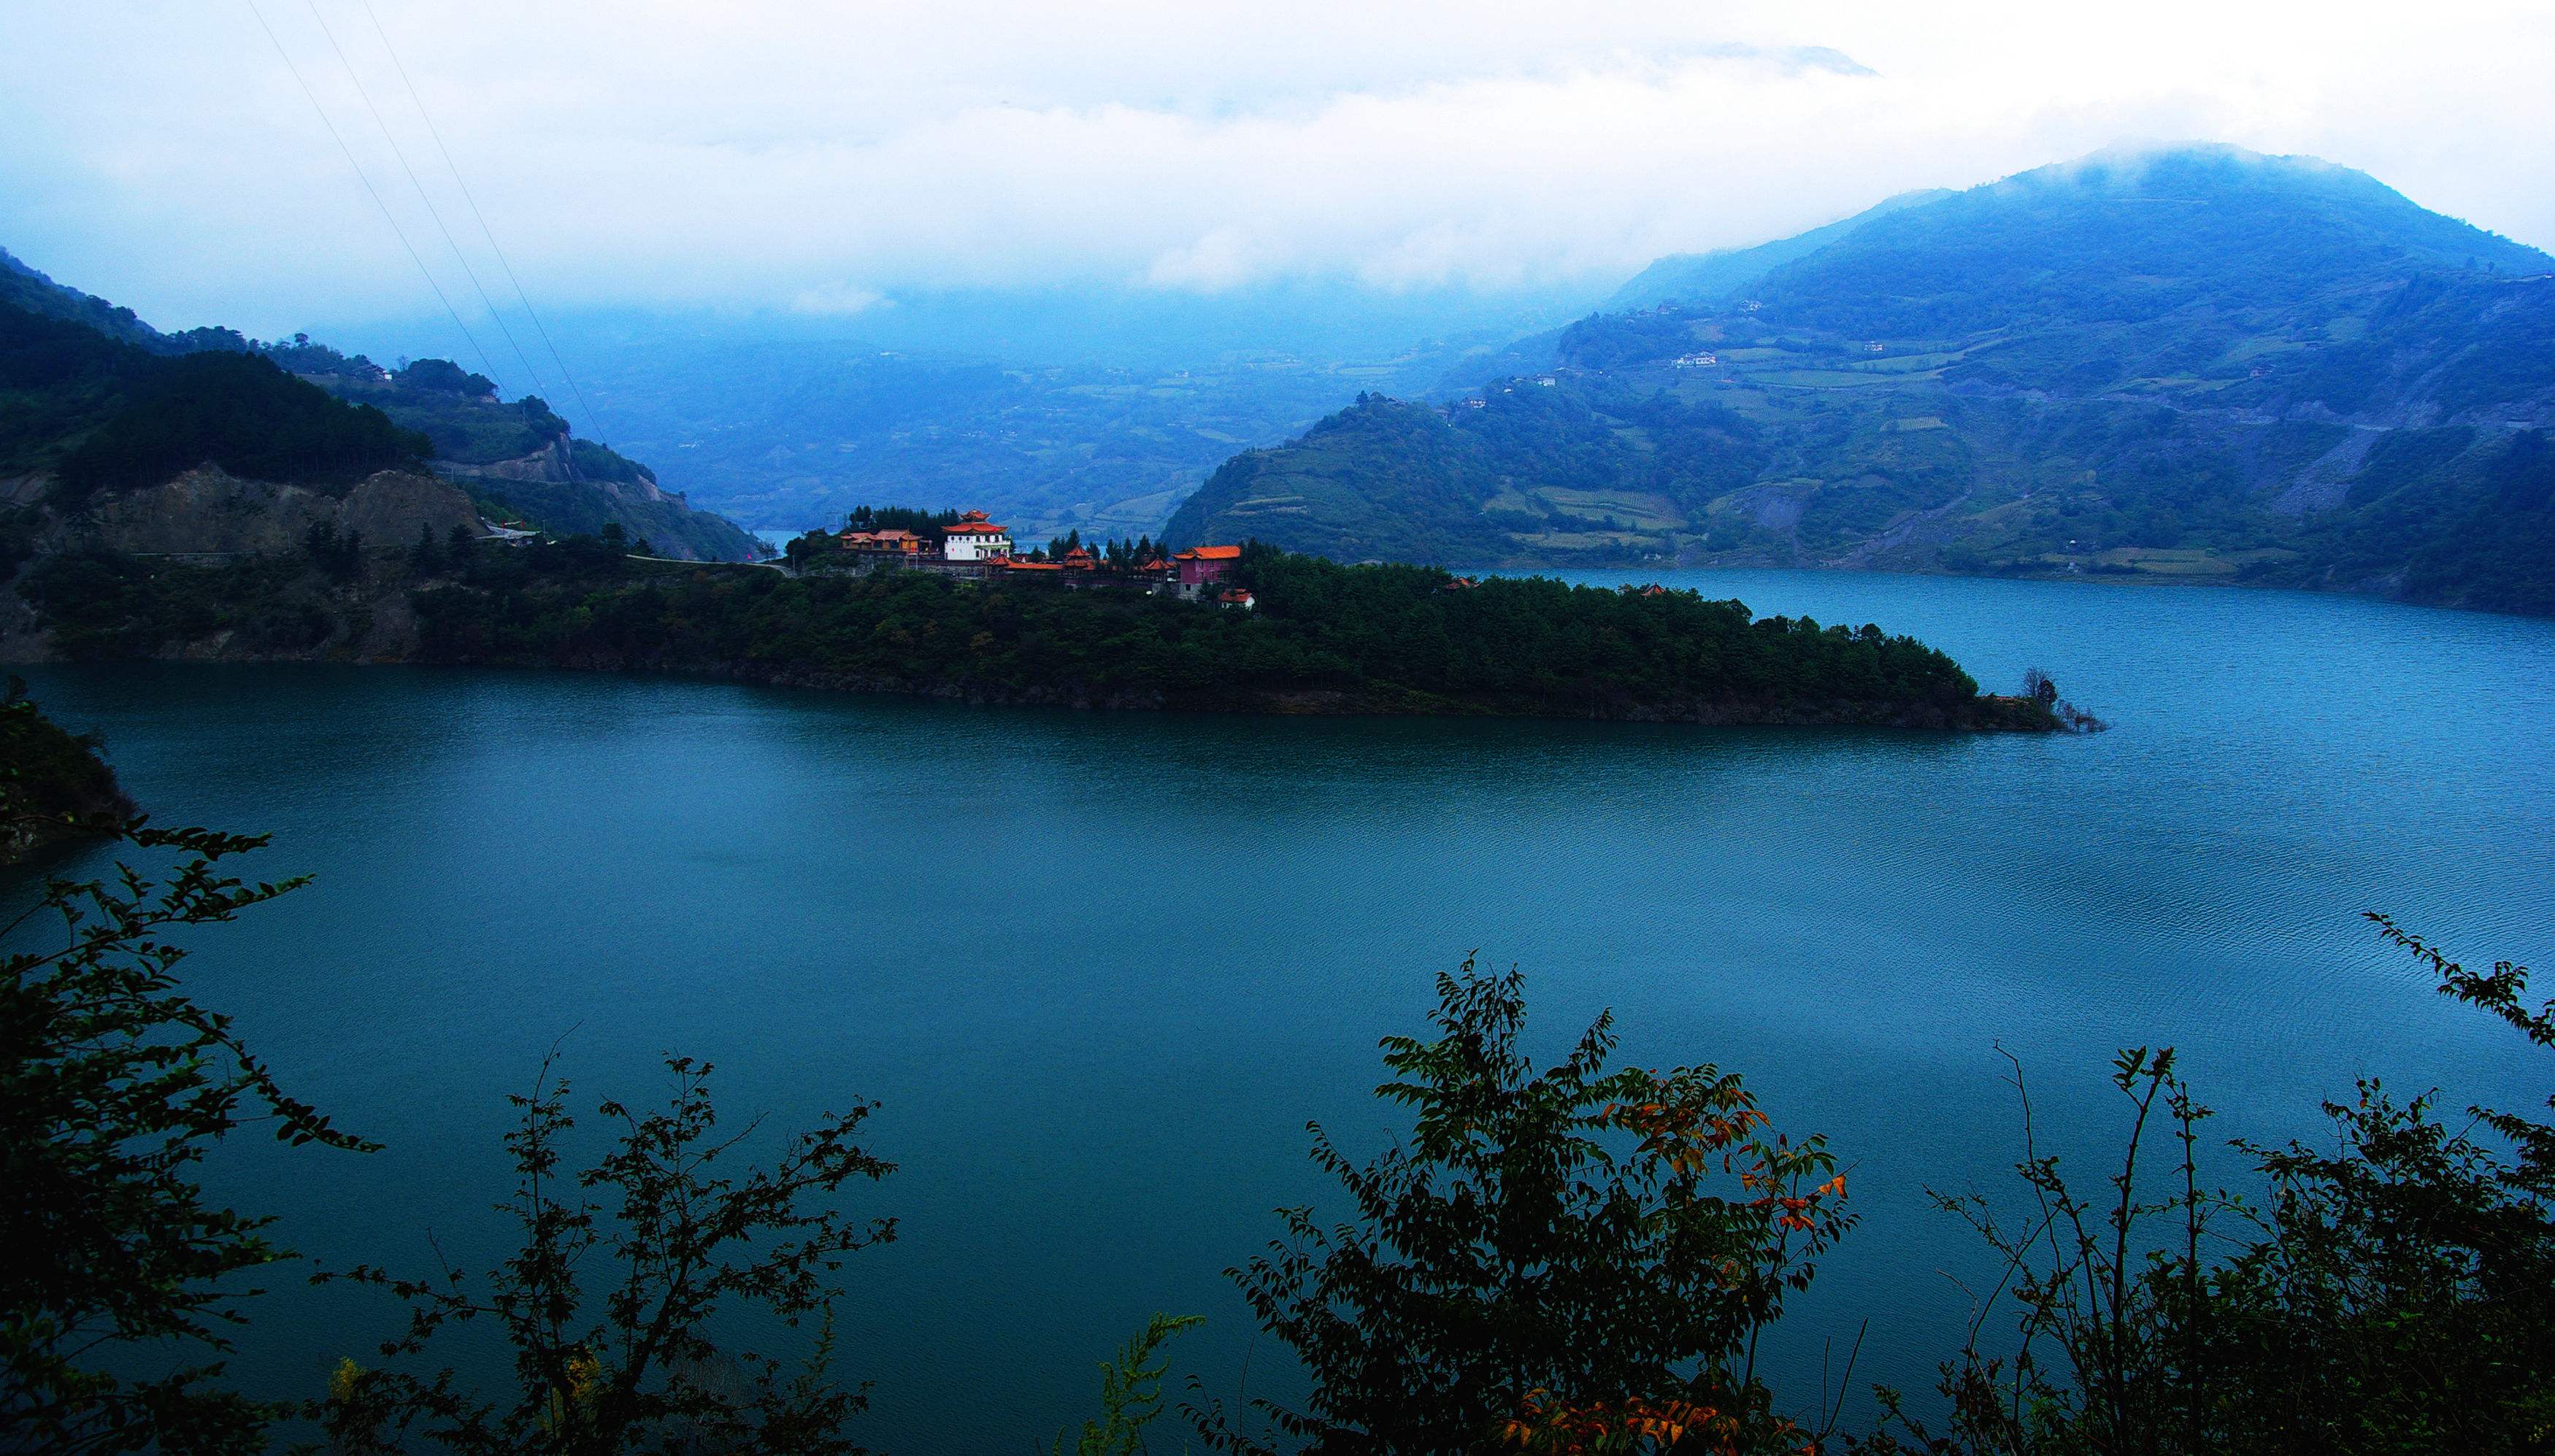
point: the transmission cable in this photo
(397, 151)
(366, 179)
(593, 416)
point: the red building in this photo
(1200, 565)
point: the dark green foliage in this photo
(2393, 1292)
(931, 525)
(113, 1083)
(239, 412)
(58, 379)
(442, 377)
(2495, 550)
(299, 355)
(1552, 1238)
(99, 605)
(23, 289)
(339, 558)
(467, 427)
(1394, 481)
(622, 1271)
(593, 461)
(1381, 639)
(52, 783)
(1131, 1392)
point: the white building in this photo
(975, 539)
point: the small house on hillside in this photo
(1235, 597)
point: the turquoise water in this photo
(1100, 969)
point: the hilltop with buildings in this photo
(971, 546)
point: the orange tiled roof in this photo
(977, 527)
(1017, 563)
(1212, 554)
(1235, 594)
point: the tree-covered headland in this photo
(1321, 638)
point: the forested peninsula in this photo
(1320, 636)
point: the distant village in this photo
(972, 547)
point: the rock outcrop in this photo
(209, 512)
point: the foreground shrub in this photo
(658, 1239)
(1557, 1250)
(2393, 1292)
(113, 1085)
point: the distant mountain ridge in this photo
(2197, 362)
(1722, 272)
(517, 458)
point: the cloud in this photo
(837, 299)
(758, 155)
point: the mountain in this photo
(99, 399)
(1722, 272)
(1095, 408)
(2196, 363)
(23, 287)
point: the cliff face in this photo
(558, 492)
(209, 518)
(208, 512)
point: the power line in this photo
(430, 211)
(593, 417)
(360, 175)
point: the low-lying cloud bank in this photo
(804, 158)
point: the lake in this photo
(1100, 969)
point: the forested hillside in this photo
(100, 399)
(2200, 364)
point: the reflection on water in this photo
(1102, 968)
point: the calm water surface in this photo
(1101, 969)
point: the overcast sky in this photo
(823, 156)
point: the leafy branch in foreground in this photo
(1551, 1263)
(670, 1240)
(112, 1083)
(1131, 1392)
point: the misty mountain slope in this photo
(1095, 408)
(2200, 364)
(94, 398)
(25, 289)
(1722, 272)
